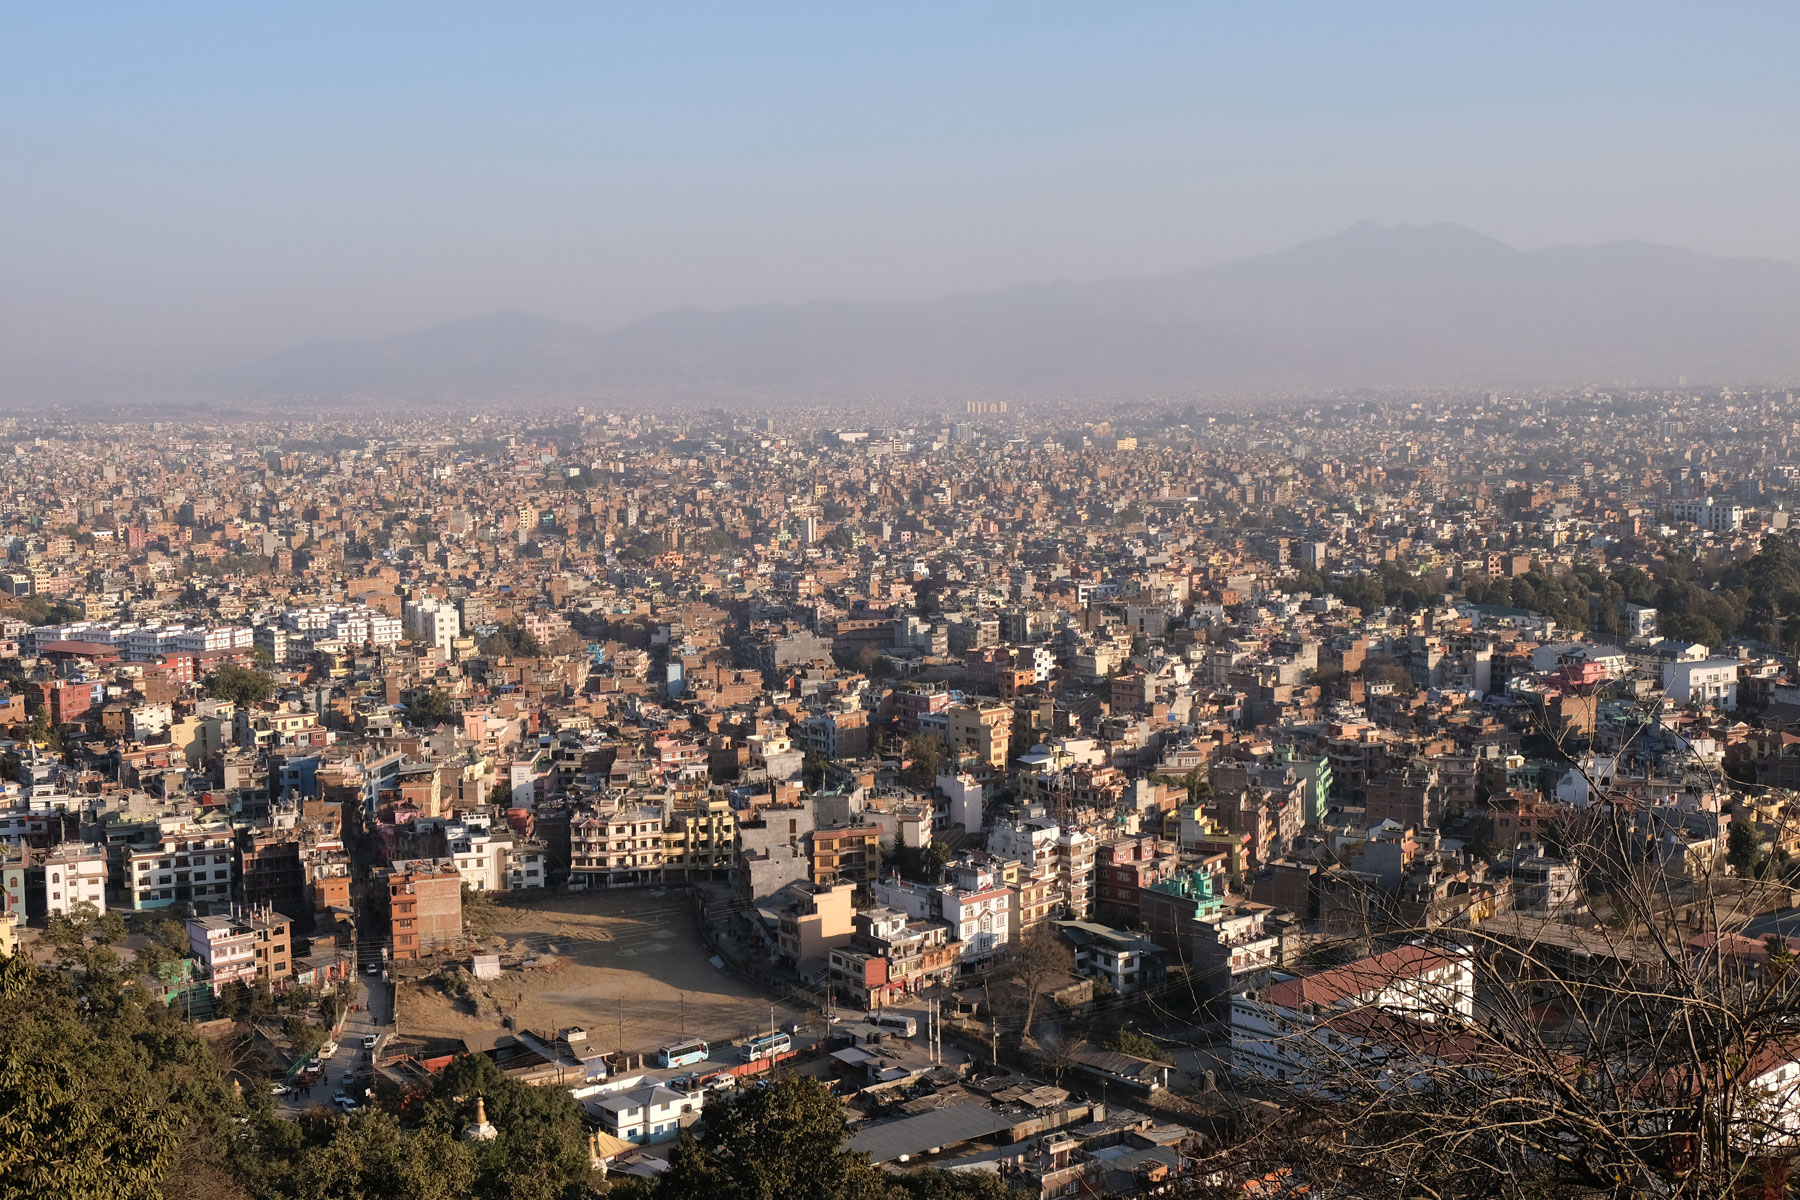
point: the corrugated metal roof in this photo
(907, 1136)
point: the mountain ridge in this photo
(1372, 305)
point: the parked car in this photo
(344, 1102)
(279, 1089)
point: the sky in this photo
(189, 186)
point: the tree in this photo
(511, 640)
(332, 1006)
(540, 1152)
(776, 1142)
(1038, 961)
(242, 686)
(926, 752)
(430, 707)
(369, 1154)
(1140, 1045)
(154, 1118)
(1743, 848)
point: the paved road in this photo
(375, 1000)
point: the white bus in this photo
(681, 1054)
(903, 1025)
(769, 1045)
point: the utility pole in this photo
(993, 1023)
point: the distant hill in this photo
(1371, 306)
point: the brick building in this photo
(424, 905)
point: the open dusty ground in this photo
(632, 971)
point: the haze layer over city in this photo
(941, 604)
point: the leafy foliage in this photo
(430, 707)
(513, 641)
(103, 1094)
(1757, 596)
(1140, 1045)
(242, 686)
(778, 1142)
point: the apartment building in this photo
(480, 854)
(241, 948)
(974, 905)
(1126, 961)
(269, 869)
(1123, 867)
(890, 957)
(1712, 681)
(812, 919)
(527, 867)
(436, 623)
(423, 898)
(73, 874)
(700, 840)
(1302, 1030)
(189, 864)
(616, 847)
(848, 854)
(984, 730)
(839, 733)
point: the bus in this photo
(903, 1025)
(769, 1045)
(681, 1054)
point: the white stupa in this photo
(481, 1131)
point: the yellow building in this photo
(700, 842)
(984, 730)
(812, 920)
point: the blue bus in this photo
(681, 1054)
(769, 1045)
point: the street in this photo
(373, 1003)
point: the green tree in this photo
(1743, 849)
(783, 1141)
(430, 707)
(512, 640)
(927, 752)
(369, 1155)
(540, 1152)
(103, 1095)
(952, 1185)
(1141, 1045)
(242, 686)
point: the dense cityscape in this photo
(1390, 794)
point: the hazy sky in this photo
(186, 185)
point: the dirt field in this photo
(630, 965)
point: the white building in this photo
(1710, 512)
(976, 907)
(74, 875)
(968, 801)
(1713, 681)
(191, 864)
(1304, 1030)
(226, 948)
(353, 624)
(481, 856)
(652, 1113)
(1042, 843)
(434, 622)
(525, 867)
